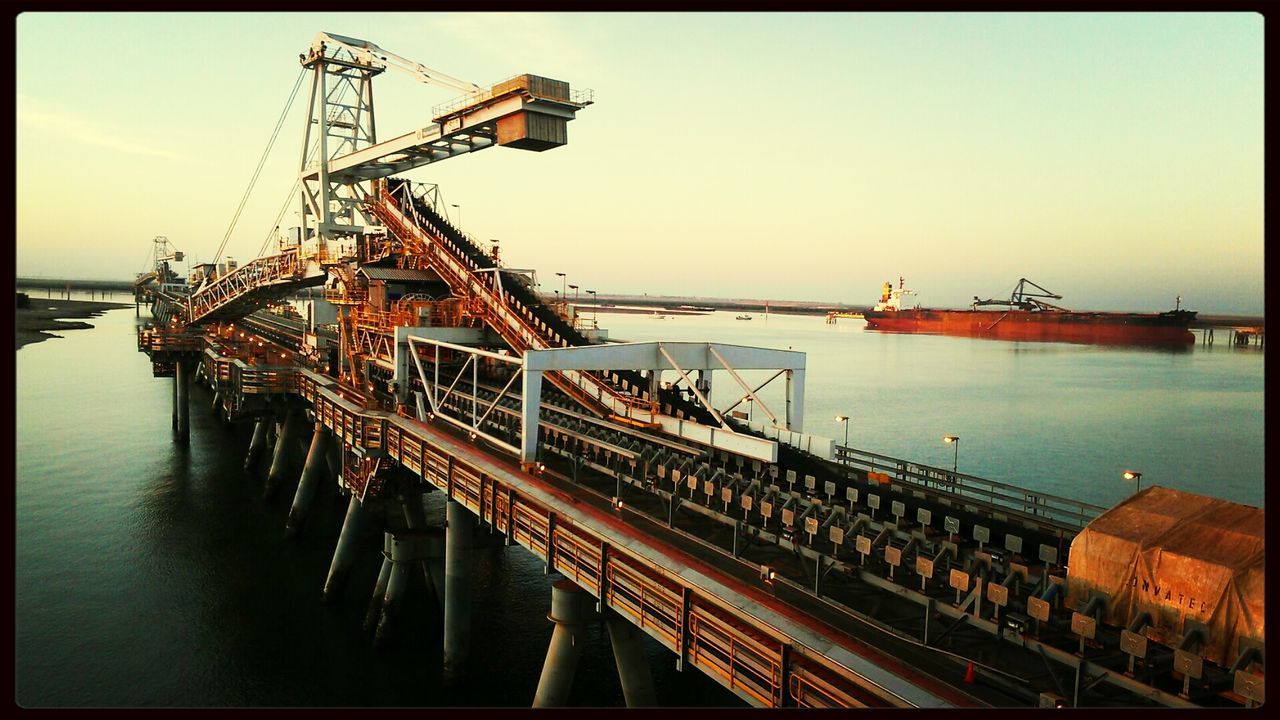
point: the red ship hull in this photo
(1042, 326)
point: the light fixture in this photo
(955, 461)
(844, 419)
(1134, 475)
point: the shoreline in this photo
(33, 324)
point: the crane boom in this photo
(369, 53)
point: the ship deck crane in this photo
(1024, 299)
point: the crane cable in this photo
(262, 161)
(275, 226)
(271, 232)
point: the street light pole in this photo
(459, 207)
(955, 462)
(844, 419)
(595, 317)
(1132, 475)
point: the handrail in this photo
(1012, 497)
(243, 280)
(514, 328)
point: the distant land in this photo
(660, 302)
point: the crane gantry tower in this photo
(527, 112)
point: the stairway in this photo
(514, 311)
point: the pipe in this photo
(310, 479)
(633, 665)
(344, 553)
(565, 649)
(457, 588)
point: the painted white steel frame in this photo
(654, 356)
(435, 400)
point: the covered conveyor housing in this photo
(1194, 563)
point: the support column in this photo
(397, 581)
(312, 472)
(415, 518)
(256, 444)
(566, 646)
(457, 588)
(334, 458)
(435, 566)
(183, 385)
(379, 588)
(795, 400)
(284, 443)
(633, 666)
(531, 387)
(175, 398)
(344, 553)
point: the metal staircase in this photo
(469, 273)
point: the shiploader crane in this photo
(527, 112)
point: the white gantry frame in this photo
(682, 357)
(435, 399)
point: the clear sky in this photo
(1116, 159)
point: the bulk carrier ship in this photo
(1026, 315)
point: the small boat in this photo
(743, 317)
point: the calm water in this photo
(1057, 417)
(152, 574)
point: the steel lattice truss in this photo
(252, 284)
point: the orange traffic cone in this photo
(968, 673)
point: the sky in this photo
(1115, 159)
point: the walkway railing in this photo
(1073, 514)
(508, 318)
(245, 281)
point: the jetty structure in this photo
(792, 570)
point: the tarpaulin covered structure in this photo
(1178, 556)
